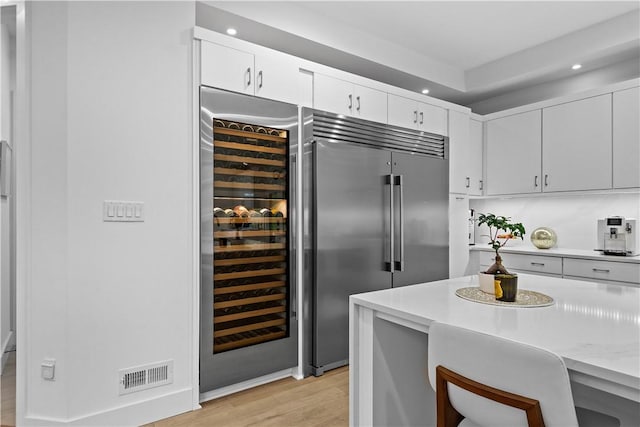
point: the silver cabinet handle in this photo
(260, 79)
(350, 101)
(546, 180)
(391, 265)
(400, 264)
(541, 264)
(481, 185)
(415, 116)
(421, 117)
(601, 270)
(535, 181)
(358, 99)
(248, 76)
(468, 182)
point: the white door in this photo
(626, 138)
(474, 163)
(226, 68)
(576, 145)
(369, 104)
(402, 112)
(432, 119)
(333, 95)
(277, 78)
(459, 174)
(513, 154)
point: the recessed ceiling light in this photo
(232, 31)
(576, 66)
(425, 91)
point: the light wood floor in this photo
(322, 401)
(8, 390)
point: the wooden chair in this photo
(484, 380)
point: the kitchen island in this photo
(594, 327)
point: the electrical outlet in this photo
(48, 369)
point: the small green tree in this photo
(511, 230)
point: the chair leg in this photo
(446, 414)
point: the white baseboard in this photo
(7, 345)
(224, 391)
(138, 413)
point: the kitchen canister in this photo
(544, 238)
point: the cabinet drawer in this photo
(606, 270)
(526, 263)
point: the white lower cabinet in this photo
(602, 271)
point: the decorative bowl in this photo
(544, 238)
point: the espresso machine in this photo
(618, 236)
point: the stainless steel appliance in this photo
(248, 317)
(618, 236)
(375, 199)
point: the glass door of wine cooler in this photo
(249, 327)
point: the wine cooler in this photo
(248, 317)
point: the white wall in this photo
(572, 217)
(110, 119)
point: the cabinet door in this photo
(576, 145)
(459, 176)
(432, 119)
(626, 138)
(513, 154)
(277, 78)
(458, 235)
(226, 68)
(333, 95)
(474, 163)
(402, 112)
(369, 104)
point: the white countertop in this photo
(558, 252)
(594, 327)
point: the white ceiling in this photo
(464, 51)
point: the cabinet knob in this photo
(248, 76)
(535, 181)
(260, 80)
(415, 116)
(481, 185)
(468, 181)
(358, 99)
(546, 180)
(350, 101)
(421, 117)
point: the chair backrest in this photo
(505, 365)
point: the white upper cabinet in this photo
(343, 97)
(459, 159)
(226, 68)
(277, 78)
(577, 145)
(514, 154)
(474, 165)
(412, 114)
(274, 76)
(626, 138)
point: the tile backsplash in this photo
(572, 217)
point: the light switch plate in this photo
(123, 211)
(48, 369)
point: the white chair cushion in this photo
(504, 364)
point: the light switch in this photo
(122, 211)
(48, 369)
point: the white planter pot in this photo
(486, 283)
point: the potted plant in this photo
(501, 230)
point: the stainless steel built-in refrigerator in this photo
(376, 216)
(248, 304)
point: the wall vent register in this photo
(145, 377)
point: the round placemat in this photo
(524, 298)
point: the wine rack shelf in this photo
(250, 267)
(247, 147)
(243, 159)
(246, 134)
(249, 338)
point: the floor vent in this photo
(145, 377)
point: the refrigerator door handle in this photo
(391, 264)
(399, 265)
